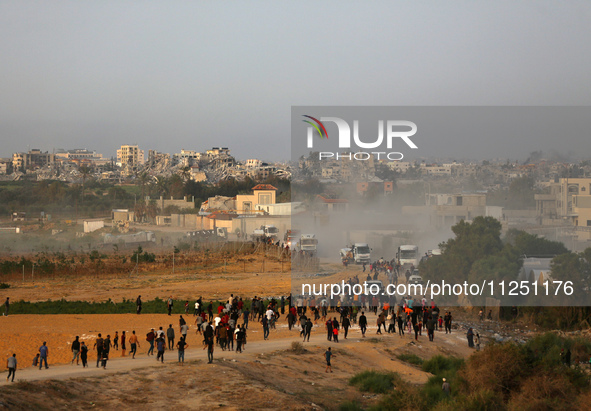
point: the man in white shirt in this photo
(159, 333)
(184, 331)
(11, 365)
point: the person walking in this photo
(76, 350)
(84, 354)
(184, 331)
(328, 355)
(133, 344)
(106, 349)
(308, 329)
(138, 304)
(446, 388)
(335, 335)
(329, 330)
(116, 341)
(170, 336)
(470, 336)
(181, 346)
(265, 323)
(209, 345)
(477, 341)
(400, 325)
(150, 339)
(363, 323)
(7, 306)
(240, 337)
(346, 323)
(160, 347)
(123, 346)
(98, 345)
(169, 305)
(11, 365)
(447, 322)
(431, 328)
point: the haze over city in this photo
(168, 76)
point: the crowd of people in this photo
(225, 326)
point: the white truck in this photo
(292, 238)
(266, 231)
(361, 253)
(309, 244)
(408, 255)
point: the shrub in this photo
(439, 364)
(4, 286)
(374, 381)
(350, 406)
(500, 367)
(411, 359)
(298, 348)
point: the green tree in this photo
(530, 244)
(472, 242)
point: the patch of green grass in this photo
(439, 364)
(350, 406)
(411, 359)
(374, 381)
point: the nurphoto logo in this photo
(401, 129)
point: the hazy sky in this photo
(171, 74)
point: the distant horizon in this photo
(553, 156)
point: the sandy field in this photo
(268, 375)
(24, 334)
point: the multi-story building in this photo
(81, 156)
(5, 165)
(188, 157)
(129, 158)
(33, 159)
(253, 163)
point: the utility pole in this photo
(173, 259)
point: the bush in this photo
(411, 359)
(439, 364)
(4, 286)
(373, 381)
(500, 368)
(350, 406)
(298, 348)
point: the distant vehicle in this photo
(18, 216)
(142, 237)
(415, 278)
(436, 251)
(215, 234)
(408, 255)
(266, 231)
(292, 238)
(378, 283)
(361, 253)
(309, 244)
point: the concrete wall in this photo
(191, 221)
(93, 225)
